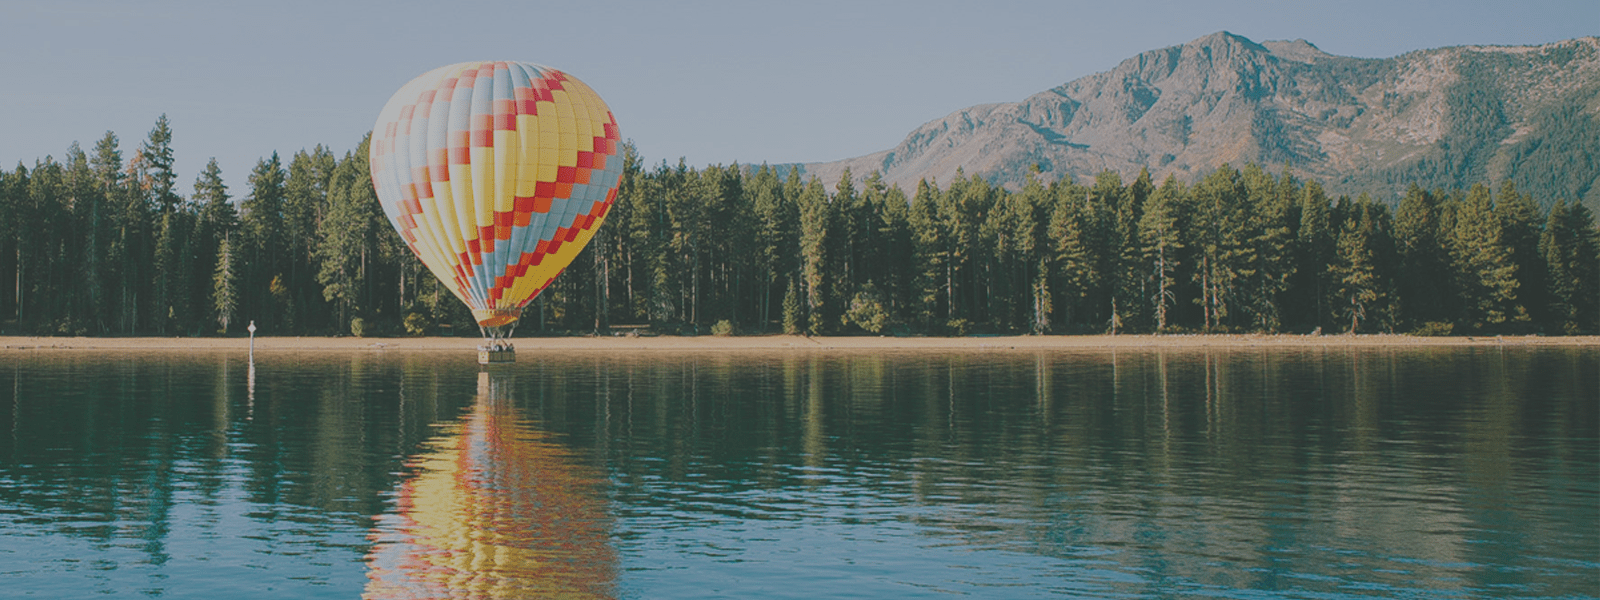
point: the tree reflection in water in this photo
(494, 508)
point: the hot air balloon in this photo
(496, 174)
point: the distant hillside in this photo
(1446, 117)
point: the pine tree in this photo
(676, 270)
(1220, 232)
(225, 285)
(1423, 280)
(1132, 291)
(1316, 241)
(930, 244)
(962, 208)
(1023, 248)
(347, 248)
(815, 218)
(1072, 246)
(106, 166)
(1522, 225)
(215, 220)
(1571, 248)
(775, 236)
(1481, 263)
(41, 242)
(1161, 235)
(791, 310)
(82, 252)
(305, 202)
(1272, 215)
(1003, 231)
(107, 162)
(133, 247)
(732, 266)
(261, 228)
(692, 212)
(892, 255)
(156, 156)
(635, 216)
(1104, 217)
(1359, 270)
(34, 198)
(173, 268)
(13, 194)
(652, 233)
(849, 221)
(704, 202)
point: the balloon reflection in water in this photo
(494, 509)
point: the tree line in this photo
(103, 244)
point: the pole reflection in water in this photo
(494, 509)
(250, 387)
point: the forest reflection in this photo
(415, 474)
(1259, 468)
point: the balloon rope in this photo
(498, 337)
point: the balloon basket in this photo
(498, 354)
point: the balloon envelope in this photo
(496, 174)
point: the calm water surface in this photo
(1284, 473)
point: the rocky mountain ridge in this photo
(1446, 117)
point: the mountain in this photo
(1447, 117)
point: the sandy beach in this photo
(774, 342)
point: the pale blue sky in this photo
(711, 81)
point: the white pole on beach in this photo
(252, 330)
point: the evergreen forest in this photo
(106, 242)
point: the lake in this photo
(1231, 473)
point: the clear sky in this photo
(709, 81)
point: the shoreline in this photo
(782, 342)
